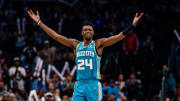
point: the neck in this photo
(87, 42)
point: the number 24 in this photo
(85, 62)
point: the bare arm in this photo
(61, 39)
(104, 42)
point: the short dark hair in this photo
(111, 81)
(87, 23)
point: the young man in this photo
(88, 55)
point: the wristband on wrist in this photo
(128, 30)
(39, 22)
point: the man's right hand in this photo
(72, 43)
(34, 17)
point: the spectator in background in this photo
(177, 94)
(148, 44)
(9, 97)
(130, 44)
(38, 39)
(4, 70)
(59, 16)
(17, 75)
(20, 41)
(50, 97)
(68, 55)
(67, 86)
(54, 85)
(120, 82)
(111, 91)
(2, 90)
(65, 98)
(47, 53)
(104, 80)
(133, 88)
(147, 54)
(58, 61)
(130, 47)
(169, 82)
(29, 54)
(56, 81)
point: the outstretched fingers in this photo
(141, 15)
(37, 13)
(136, 15)
(31, 12)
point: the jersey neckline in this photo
(88, 44)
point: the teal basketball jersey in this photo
(87, 62)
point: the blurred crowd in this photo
(145, 66)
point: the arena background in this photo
(154, 45)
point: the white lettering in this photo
(85, 53)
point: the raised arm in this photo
(104, 42)
(72, 43)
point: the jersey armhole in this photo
(78, 45)
(96, 49)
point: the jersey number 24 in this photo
(82, 63)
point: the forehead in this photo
(87, 27)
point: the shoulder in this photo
(75, 42)
(11, 68)
(21, 68)
(99, 42)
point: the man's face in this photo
(132, 79)
(55, 78)
(13, 97)
(165, 68)
(121, 77)
(112, 84)
(46, 45)
(65, 98)
(87, 32)
(16, 63)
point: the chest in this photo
(88, 51)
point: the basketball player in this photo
(88, 56)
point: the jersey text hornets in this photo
(85, 53)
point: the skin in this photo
(121, 77)
(87, 33)
(1, 86)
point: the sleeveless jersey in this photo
(87, 62)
